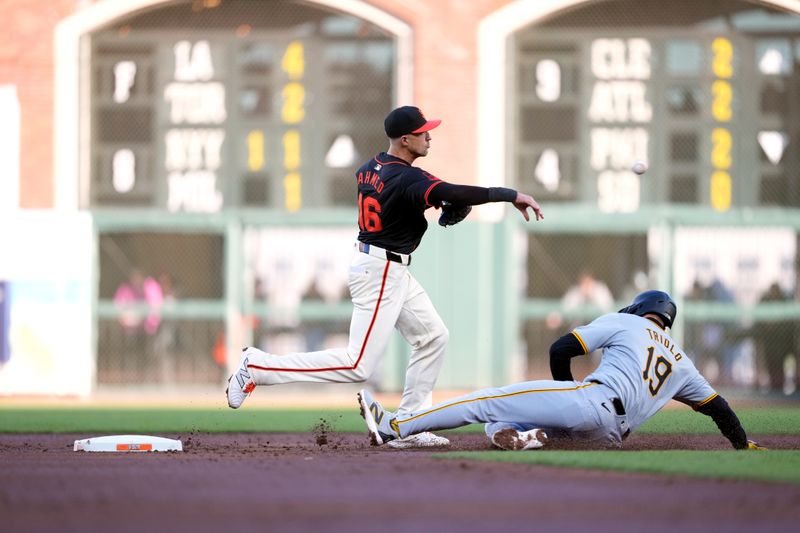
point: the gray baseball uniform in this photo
(641, 370)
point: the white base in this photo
(128, 443)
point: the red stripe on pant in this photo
(363, 346)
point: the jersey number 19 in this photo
(369, 214)
(661, 369)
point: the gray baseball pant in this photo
(581, 410)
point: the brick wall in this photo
(446, 77)
(26, 60)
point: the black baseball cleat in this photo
(379, 421)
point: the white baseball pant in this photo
(385, 296)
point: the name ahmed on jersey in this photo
(371, 178)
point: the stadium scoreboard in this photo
(713, 112)
(277, 114)
(201, 121)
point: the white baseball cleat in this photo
(425, 439)
(240, 384)
(511, 439)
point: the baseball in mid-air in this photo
(639, 167)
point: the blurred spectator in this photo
(775, 341)
(719, 344)
(698, 292)
(315, 332)
(707, 336)
(718, 292)
(588, 291)
(168, 288)
(166, 341)
(220, 351)
(139, 303)
(587, 295)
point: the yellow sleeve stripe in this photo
(701, 404)
(496, 397)
(580, 340)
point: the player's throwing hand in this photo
(523, 202)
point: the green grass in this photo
(772, 465)
(171, 420)
(757, 421)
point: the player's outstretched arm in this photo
(728, 423)
(463, 195)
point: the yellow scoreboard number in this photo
(293, 112)
(721, 190)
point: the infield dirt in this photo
(325, 481)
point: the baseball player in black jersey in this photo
(393, 196)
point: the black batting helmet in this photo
(657, 302)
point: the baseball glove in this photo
(453, 214)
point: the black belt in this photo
(616, 402)
(618, 407)
(369, 249)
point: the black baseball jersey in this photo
(393, 197)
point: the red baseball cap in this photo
(405, 120)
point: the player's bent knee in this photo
(441, 337)
(433, 340)
(361, 373)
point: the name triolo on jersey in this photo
(665, 342)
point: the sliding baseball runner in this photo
(642, 369)
(392, 199)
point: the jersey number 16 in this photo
(369, 214)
